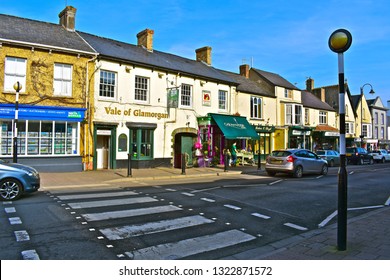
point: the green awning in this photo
(235, 127)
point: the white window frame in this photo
(349, 128)
(256, 107)
(293, 114)
(367, 130)
(105, 83)
(62, 79)
(222, 100)
(15, 71)
(186, 96)
(323, 117)
(141, 89)
(307, 116)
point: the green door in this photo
(186, 148)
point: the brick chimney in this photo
(68, 18)
(145, 39)
(244, 70)
(204, 55)
(309, 84)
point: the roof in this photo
(311, 101)
(116, 50)
(32, 32)
(246, 85)
(275, 79)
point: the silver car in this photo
(296, 162)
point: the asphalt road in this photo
(206, 219)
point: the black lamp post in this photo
(361, 111)
(17, 87)
(339, 42)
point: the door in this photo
(103, 152)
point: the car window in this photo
(281, 153)
(321, 153)
(311, 155)
(301, 154)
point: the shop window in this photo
(122, 143)
(141, 143)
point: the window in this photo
(40, 138)
(222, 100)
(15, 71)
(307, 116)
(62, 79)
(346, 110)
(141, 89)
(107, 84)
(141, 143)
(367, 130)
(287, 93)
(122, 143)
(293, 114)
(349, 128)
(382, 119)
(382, 136)
(256, 108)
(323, 117)
(186, 95)
(376, 119)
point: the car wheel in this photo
(271, 173)
(361, 161)
(383, 160)
(324, 170)
(10, 189)
(371, 161)
(331, 163)
(298, 172)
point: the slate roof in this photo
(275, 79)
(311, 101)
(129, 53)
(247, 85)
(32, 32)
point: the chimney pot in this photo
(309, 84)
(244, 70)
(145, 39)
(68, 18)
(204, 55)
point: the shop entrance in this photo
(184, 144)
(103, 152)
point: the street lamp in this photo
(361, 111)
(339, 42)
(17, 87)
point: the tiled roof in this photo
(275, 79)
(312, 101)
(129, 53)
(32, 32)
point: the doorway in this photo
(103, 152)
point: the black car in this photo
(357, 155)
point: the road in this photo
(184, 219)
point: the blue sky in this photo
(288, 37)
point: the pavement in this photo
(367, 235)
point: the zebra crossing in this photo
(123, 217)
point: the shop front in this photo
(325, 137)
(299, 137)
(216, 135)
(264, 147)
(48, 137)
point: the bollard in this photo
(129, 166)
(226, 163)
(183, 164)
(259, 161)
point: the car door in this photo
(315, 164)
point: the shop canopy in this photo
(234, 127)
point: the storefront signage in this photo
(264, 129)
(135, 113)
(333, 134)
(103, 132)
(301, 132)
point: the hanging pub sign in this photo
(206, 98)
(173, 97)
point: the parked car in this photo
(17, 179)
(331, 156)
(358, 155)
(380, 155)
(296, 162)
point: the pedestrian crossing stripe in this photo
(193, 246)
(129, 213)
(117, 233)
(95, 195)
(111, 202)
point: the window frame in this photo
(18, 63)
(68, 82)
(141, 89)
(114, 85)
(256, 109)
(186, 96)
(222, 100)
(323, 117)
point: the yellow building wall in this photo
(39, 84)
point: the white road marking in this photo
(388, 202)
(123, 232)
(295, 226)
(129, 213)
(95, 195)
(15, 221)
(275, 182)
(30, 255)
(170, 190)
(187, 194)
(329, 218)
(9, 210)
(232, 207)
(101, 203)
(21, 235)
(207, 199)
(261, 216)
(188, 247)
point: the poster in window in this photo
(206, 98)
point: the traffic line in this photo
(275, 182)
(123, 232)
(189, 247)
(388, 202)
(329, 218)
(187, 194)
(295, 226)
(21, 235)
(10, 210)
(15, 221)
(95, 195)
(232, 207)
(30, 255)
(113, 202)
(129, 213)
(261, 216)
(207, 199)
